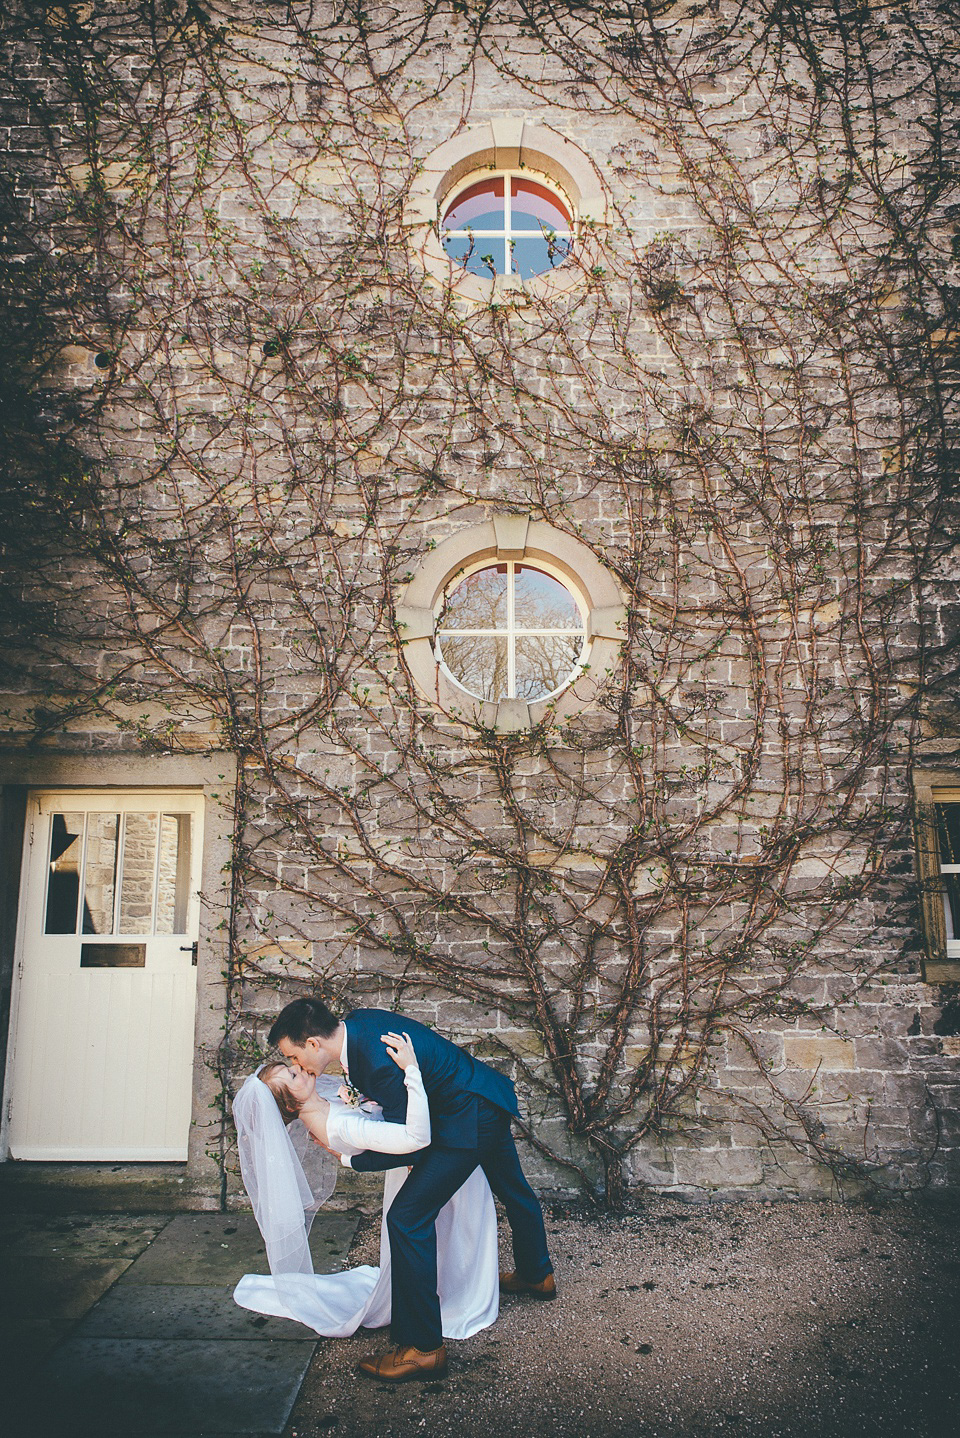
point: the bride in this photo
(279, 1112)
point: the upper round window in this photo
(511, 631)
(508, 224)
(498, 210)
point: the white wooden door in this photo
(102, 1057)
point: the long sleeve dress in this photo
(337, 1304)
(350, 1131)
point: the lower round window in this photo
(509, 622)
(511, 631)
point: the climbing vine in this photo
(239, 410)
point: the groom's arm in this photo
(371, 1162)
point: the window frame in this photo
(506, 143)
(931, 789)
(520, 538)
(508, 232)
(511, 630)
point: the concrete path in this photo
(126, 1324)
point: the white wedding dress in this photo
(337, 1304)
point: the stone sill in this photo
(941, 971)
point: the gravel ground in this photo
(785, 1320)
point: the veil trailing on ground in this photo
(286, 1174)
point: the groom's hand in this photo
(320, 1143)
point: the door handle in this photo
(192, 950)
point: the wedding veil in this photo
(286, 1174)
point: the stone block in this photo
(718, 1168)
(818, 1051)
(880, 1053)
(166, 1386)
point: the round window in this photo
(511, 631)
(507, 224)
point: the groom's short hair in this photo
(303, 1019)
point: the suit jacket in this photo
(452, 1078)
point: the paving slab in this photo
(52, 1270)
(104, 1236)
(175, 1388)
(213, 1250)
(42, 1298)
(186, 1311)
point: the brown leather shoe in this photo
(400, 1365)
(545, 1290)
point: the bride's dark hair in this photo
(286, 1103)
(301, 1020)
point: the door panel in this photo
(103, 1048)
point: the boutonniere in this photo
(349, 1095)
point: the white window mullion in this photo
(118, 881)
(511, 633)
(507, 226)
(156, 877)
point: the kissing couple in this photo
(437, 1121)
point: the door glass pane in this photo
(173, 874)
(544, 662)
(479, 601)
(100, 873)
(63, 886)
(138, 869)
(951, 905)
(542, 602)
(478, 663)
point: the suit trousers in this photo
(411, 1224)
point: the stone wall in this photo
(682, 909)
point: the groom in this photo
(471, 1106)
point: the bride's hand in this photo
(400, 1049)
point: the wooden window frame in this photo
(930, 789)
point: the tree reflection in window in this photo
(511, 631)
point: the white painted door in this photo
(102, 1057)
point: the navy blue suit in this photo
(471, 1106)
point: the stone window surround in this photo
(517, 537)
(932, 787)
(502, 143)
(195, 1183)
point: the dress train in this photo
(335, 1305)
